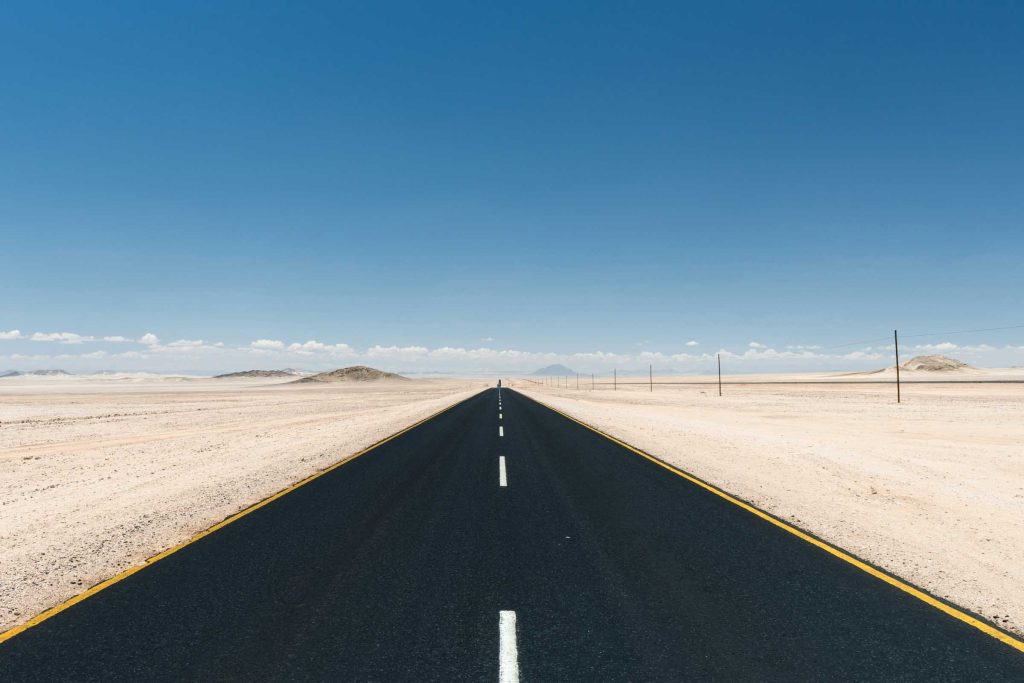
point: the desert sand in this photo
(931, 490)
(96, 475)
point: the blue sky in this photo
(535, 179)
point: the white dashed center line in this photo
(508, 651)
(502, 476)
(501, 431)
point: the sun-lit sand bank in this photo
(931, 489)
(98, 474)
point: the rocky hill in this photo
(356, 373)
(258, 373)
(935, 364)
(36, 373)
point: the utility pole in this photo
(719, 374)
(615, 379)
(650, 371)
(896, 339)
(577, 380)
(591, 381)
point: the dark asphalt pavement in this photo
(395, 567)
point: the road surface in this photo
(495, 544)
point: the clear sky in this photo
(519, 181)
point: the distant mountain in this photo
(356, 373)
(555, 369)
(259, 373)
(37, 373)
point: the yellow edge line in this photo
(877, 573)
(57, 609)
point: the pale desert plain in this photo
(97, 475)
(931, 489)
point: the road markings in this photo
(508, 651)
(502, 477)
(499, 416)
(501, 431)
(907, 588)
(57, 609)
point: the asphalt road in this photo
(397, 565)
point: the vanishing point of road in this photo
(500, 540)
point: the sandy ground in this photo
(98, 475)
(931, 490)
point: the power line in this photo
(985, 329)
(924, 334)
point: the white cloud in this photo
(61, 337)
(342, 350)
(314, 347)
(74, 338)
(310, 346)
(692, 343)
(756, 345)
(378, 351)
(935, 348)
(863, 355)
(267, 344)
(149, 339)
(185, 344)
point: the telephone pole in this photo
(896, 339)
(719, 374)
